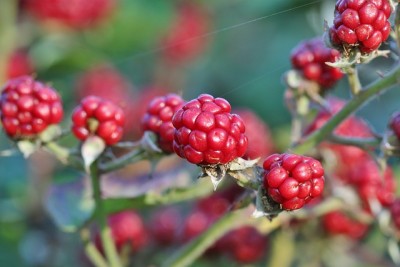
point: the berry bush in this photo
(138, 134)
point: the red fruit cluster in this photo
(28, 107)
(73, 13)
(362, 23)
(19, 64)
(338, 223)
(293, 180)
(158, 119)
(97, 116)
(260, 143)
(310, 58)
(394, 124)
(127, 229)
(395, 213)
(207, 133)
(185, 39)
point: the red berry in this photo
(158, 119)
(246, 245)
(310, 58)
(207, 133)
(196, 223)
(127, 229)
(186, 38)
(19, 64)
(165, 225)
(395, 213)
(260, 143)
(293, 180)
(97, 116)
(74, 13)
(338, 223)
(27, 107)
(361, 23)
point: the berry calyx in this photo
(310, 57)
(97, 116)
(28, 107)
(207, 133)
(158, 119)
(293, 180)
(360, 23)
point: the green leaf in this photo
(70, 204)
(92, 149)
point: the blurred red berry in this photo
(338, 223)
(73, 13)
(361, 23)
(27, 107)
(165, 225)
(127, 229)
(395, 213)
(293, 180)
(158, 119)
(260, 143)
(19, 64)
(97, 116)
(207, 133)
(186, 37)
(310, 57)
(196, 223)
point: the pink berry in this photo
(310, 58)
(165, 225)
(207, 133)
(97, 116)
(293, 180)
(361, 23)
(27, 107)
(158, 119)
(19, 64)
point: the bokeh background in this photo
(241, 51)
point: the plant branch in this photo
(363, 143)
(64, 155)
(354, 81)
(312, 140)
(91, 251)
(105, 231)
(131, 157)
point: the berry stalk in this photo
(354, 81)
(105, 231)
(379, 86)
(91, 251)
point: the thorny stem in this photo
(313, 139)
(91, 251)
(363, 143)
(131, 157)
(105, 231)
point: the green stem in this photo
(131, 157)
(354, 81)
(112, 205)
(64, 155)
(363, 143)
(190, 252)
(105, 232)
(8, 18)
(91, 251)
(312, 140)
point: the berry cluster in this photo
(97, 116)
(310, 57)
(293, 180)
(28, 107)
(338, 223)
(207, 133)
(73, 13)
(360, 23)
(158, 119)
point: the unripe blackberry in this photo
(127, 229)
(310, 57)
(338, 223)
(207, 133)
(360, 23)
(158, 119)
(73, 13)
(260, 143)
(97, 116)
(27, 107)
(293, 180)
(185, 39)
